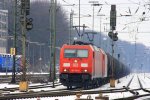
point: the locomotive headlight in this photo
(65, 70)
(66, 64)
(75, 61)
(85, 70)
(84, 65)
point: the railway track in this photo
(64, 92)
(60, 92)
(136, 93)
(30, 87)
(130, 82)
(52, 93)
(145, 90)
(30, 77)
(127, 88)
(56, 93)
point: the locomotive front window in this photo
(75, 53)
(82, 53)
(70, 53)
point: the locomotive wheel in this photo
(86, 85)
(68, 87)
(93, 84)
(97, 83)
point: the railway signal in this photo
(113, 17)
(25, 7)
(29, 24)
(113, 35)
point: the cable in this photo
(66, 2)
(134, 2)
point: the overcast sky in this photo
(127, 31)
(127, 27)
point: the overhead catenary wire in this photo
(135, 12)
(134, 2)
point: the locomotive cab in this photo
(75, 64)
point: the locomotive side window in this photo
(75, 53)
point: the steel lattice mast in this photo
(26, 24)
(17, 4)
(53, 39)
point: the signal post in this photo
(113, 35)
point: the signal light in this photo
(110, 34)
(113, 36)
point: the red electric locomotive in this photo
(82, 65)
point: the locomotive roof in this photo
(81, 43)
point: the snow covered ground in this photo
(144, 77)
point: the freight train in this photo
(83, 65)
(6, 62)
